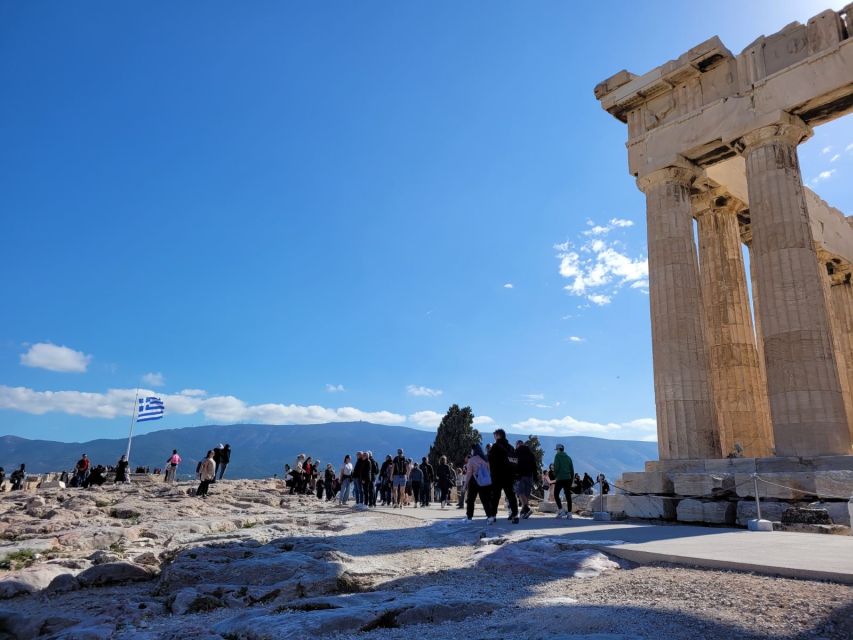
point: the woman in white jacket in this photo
(206, 473)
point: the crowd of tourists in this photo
(501, 470)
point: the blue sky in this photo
(304, 212)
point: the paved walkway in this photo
(797, 555)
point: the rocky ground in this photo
(149, 561)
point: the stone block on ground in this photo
(702, 484)
(839, 512)
(770, 510)
(646, 482)
(582, 503)
(706, 511)
(547, 506)
(611, 503)
(783, 486)
(650, 507)
(800, 515)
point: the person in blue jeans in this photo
(346, 479)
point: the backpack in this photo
(399, 466)
(483, 476)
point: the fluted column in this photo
(740, 395)
(685, 412)
(803, 386)
(841, 303)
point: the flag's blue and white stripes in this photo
(150, 408)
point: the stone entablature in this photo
(701, 104)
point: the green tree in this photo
(538, 454)
(455, 436)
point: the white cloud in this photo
(508, 285)
(597, 230)
(424, 392)
(575, 339)
(640, 429)
(335, 388)
(600, 266)
(483, 420)
(193, 392)
(824, 175)
(46, 355)
(228, 409)
(154, 379)
(429, 419)
(826, 150)
(849, 147)
(835, 157)
(533, 396)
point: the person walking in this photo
(526, 473)
(446, 478)
(416, 477)
(224, 459)
(329, 482)
(81, 472)
(358, 477)
(346, 479)
(564, 471)
(461, 489)
(479, 482)
(399, 471)
(172, 467)
(18, 477)
(217, 459)
(207, 474)
(503, 464)
(429, 480)
(121, 470)
(373, 469)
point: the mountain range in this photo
(262, 450)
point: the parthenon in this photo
(712, 137)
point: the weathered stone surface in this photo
(647, 482)
(650, 507)
(702, 484)
(798, 485)
(707, 511)
(770, 510)
(798, 515)
(29, 580)
(113, 573)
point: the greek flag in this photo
(150, 408)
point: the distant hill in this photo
(262, 450)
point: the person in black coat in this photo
(224, 459)
(429, 479)
(502, 465)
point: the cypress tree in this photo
(455, 436)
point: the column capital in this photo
(789, 130)
(716, 200)
(683, 175)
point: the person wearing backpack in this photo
(400, 471)
(503, 464)
(479, 482)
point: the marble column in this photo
(740, 395)
(841, 301)
(683, 402)
(803, 386)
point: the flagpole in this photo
(132, 421)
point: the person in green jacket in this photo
(564, 471)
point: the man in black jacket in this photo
(429, 480)
(527, 471)
(370, 489)
(224, 459)
(503, 464)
